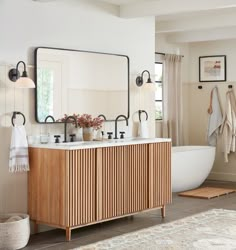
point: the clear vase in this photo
(88, 134)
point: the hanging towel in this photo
(215, 118)
(19, 160)
(228, 128)
(143, 129)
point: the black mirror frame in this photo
(103, 53)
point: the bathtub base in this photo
(191, 166)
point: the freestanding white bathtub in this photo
(190, 166)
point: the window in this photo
(158, 92)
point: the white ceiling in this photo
(185, 20)
(123, 2)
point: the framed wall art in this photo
(212, 68)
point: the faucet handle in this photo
(109, 135)
(72, 137)
(122, 133)
(57, 138)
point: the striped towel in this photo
(19, 160)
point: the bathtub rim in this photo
(187, 148)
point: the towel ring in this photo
(14, 117)
(140, 113)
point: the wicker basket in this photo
(14, 234)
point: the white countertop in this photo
(99, 144)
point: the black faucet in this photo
(49, 116)
(65, 124)
(116, 120)
(103, 116)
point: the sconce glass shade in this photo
(22, 81)
(149, 86)
(25, 82)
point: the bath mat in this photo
(207, 192)
(211, 230)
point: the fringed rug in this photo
(214, 230)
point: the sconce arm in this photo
(24, 74)
(147, 72)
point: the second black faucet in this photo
(116, 120)
(69, 118)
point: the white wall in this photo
(72, 24)
(198, 116)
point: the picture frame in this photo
(212, 68)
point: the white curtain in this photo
(172, 100)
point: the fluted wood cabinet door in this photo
(80, 187)
(159, 174)
(46, 186)
(122, 180)
(111, 162)
(62, 186)
(136, 178)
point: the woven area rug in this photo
(214, 230)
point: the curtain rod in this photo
(160, 53)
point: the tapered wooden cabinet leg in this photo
(68, 234)
(163, 211)
(36, 228)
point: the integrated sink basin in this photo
(129, 139)
(85, 143)
(74, 143)
(79, 143)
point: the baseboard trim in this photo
(222, 176)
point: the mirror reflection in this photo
(71, 81)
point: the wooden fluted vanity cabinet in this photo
(77, 187)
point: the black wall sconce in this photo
(22, 81)
(139, 79)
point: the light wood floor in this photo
(181, 207)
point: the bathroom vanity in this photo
(72, 185)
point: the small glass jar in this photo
(44, 139)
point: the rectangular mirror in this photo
(73, 81)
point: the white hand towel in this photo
(143, 129)
(215, 119)
(19, 160)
